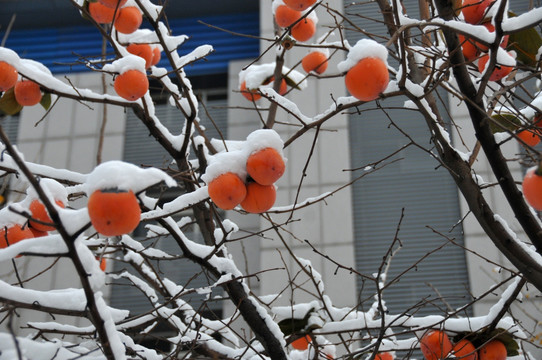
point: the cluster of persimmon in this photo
(27, 92)
(294, 14)
(38, 225)
(302, 343)
(436, 345)
(131, 84)
(474, 12)
(125, 19)
(257, 193)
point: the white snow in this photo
(363, 48)
(128, 62)
(125, 176)
(255, 75)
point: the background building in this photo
(355, 226)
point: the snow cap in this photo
(52, 188)
(128, 62)
(364, 48)
(255, 75)
(124, 176)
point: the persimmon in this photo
(474, 10)
(384, 356)
(499, 72)
(493, 350)
(227, 190)
(435, 345)
(129, 19)
(260, 198)
(285, 16)
(131, 84)
(283, 86)
(249, 94)
(103, 263)
(40, 213)
(302, 343)
(465, 350)
(314, 61)
(142, 50)
(156, 55)
(8, 76)
(265, 166)
(532, 188)
(529, 137)
(469, 48)
(303, 30)
(113, 212)
(38, 233)
(367, 79)
(100, 13)
(27, 93)
(113, 3)
(299, 5)
(14, 234)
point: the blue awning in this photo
(61, 48)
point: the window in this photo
(427, 193)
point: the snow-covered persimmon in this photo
(303, 30)
(465, 350)
(10, 235)
(314, 61)
(367, 79)
(113, 3)
(265, 166)
(493, 350)
(302, 343)
(285, 16)
(249, 94)
(474, 10)
(260, 198)
(131, 85)
(27, 93)
(113, 212)
(129, 19)
(227, 190)
(384, 356)
(8, 76)
(39, 213)
(299, 5)
(100, 13)
(143, 51)
(254, 95)
(499, 72)
(435, 345)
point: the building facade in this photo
(354, 227)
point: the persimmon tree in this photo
(477, 52)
